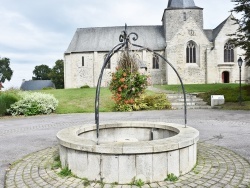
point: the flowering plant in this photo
(33, 103)
(127, 83)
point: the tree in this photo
(5, 69)
(242, 35)
(57, 74)
(41, 72)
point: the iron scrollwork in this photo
(124, 38)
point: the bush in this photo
(127, 84)
(230, 94)
(48, 88)
(152, 102)
(6, 100)
(33, 103)
(85, 86)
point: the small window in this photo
(155, 62)
(184, 16)
(191, 52)
(83, 61)
(229, 52)
(108, 66)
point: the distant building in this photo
(199, 55)
(36, 85)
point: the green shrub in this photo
(171, 177)
(85, 86)
(230, 94)
(139, 183)
(127, 84)
(65, 172)
(33, 103)
(6, 100)
(48, 88)
(152, 102)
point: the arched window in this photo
(191, 52)
(155, 62)
(108, 66)
(229, 52)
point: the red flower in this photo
(122, 80)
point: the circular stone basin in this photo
(128, 150)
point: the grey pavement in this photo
(23, 135)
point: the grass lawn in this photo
(230, 91)
(196, 88)
(81, 100)
(236, 106)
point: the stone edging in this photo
(216, 167)
(185, 137)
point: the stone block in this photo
(144, 167)
(127, 169)
(173, 164)
(217, 100)
(63, 156)
(184, 160)
(93, 168)
(160, 166)
(191, 157)
(81, 164)
(109, 168)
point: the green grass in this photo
(230, 92)
(81, 100)
(196, 88)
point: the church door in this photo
(225, 77)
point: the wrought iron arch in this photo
(125, 43)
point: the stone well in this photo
(127, 150)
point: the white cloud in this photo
(38, 32)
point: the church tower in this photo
(177, 13)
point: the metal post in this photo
(240, 62)
(240, 98)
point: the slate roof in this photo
(173, 4)
(213, 33)
(217, 30)
(36, 85)
(209, 34)
(105, 38)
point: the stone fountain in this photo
(124, 151)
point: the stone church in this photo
(199, 55)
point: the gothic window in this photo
(191, 52)
(108, 66)
(83, 61)
(229, 52)
(155, 62)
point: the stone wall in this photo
(77, 75)
(194, 73)
(174, 19)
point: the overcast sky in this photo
(38, 32)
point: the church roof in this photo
(213, 33)
(217, 30)
(105, 38)
(173, 4)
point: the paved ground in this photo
(217, 167)
(21, 136)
